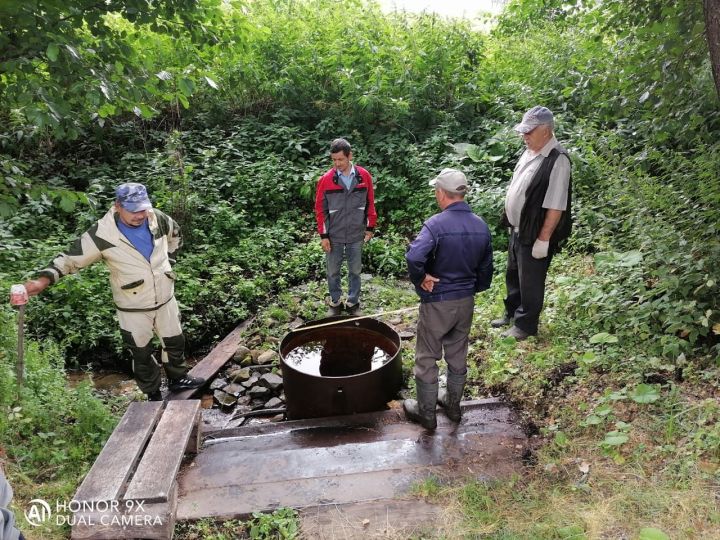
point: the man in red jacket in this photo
(345, 214)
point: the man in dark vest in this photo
(537, 211)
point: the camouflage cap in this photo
(133, 197)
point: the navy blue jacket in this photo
(455, 247)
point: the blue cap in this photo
(133, 197)
(537, 116)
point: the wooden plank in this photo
(117, 459)
(214, 361)
(146, 520)
(159, 465)
(195, 440)
(394, 518)
(328, 463)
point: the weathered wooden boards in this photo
(131, 490)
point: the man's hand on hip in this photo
(325, 243)
(428, 283)
(540, 249)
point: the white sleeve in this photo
(556, 195)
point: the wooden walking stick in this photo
(19, 297)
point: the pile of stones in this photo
(251, 381)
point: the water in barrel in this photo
(340, 352)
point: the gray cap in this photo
(133, 197)
(537, 116)
(450, 180)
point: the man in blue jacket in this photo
(449, 261)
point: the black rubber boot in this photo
(450, 398)
(334, 310)
(422, 410)
(502, 321)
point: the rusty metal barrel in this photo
(344, 368)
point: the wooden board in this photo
(156, 521)
(373, 519)
(159, 465)
(344, 460)
(214, 361)
(117, 459)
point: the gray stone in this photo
(234, 389)
(224, 399)
(274, 403)
(247, 361)
(296, 323)
(216, 418)
(395, 321)
(241, 353)
(218, 383)
(257, 404)
(258, 391)
(252, 381)
(239, 375)
(268, 357)
(406, 334)
(271, 380)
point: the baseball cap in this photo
(133, 197)
(450, 180)
(537, 116)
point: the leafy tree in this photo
(67, 64)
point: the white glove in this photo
(540, 249)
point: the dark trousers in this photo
(442, 331)
(525, 281)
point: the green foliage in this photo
(651, 533)
(50, 432)
(50, 428)
(225, 111)
(282, 523)
(428, 488)
(65, 65)
(206, 529)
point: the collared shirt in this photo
(527, 166)
(347, 180)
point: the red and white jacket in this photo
(343, 215)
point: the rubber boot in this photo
(422, 410)
(450, 398)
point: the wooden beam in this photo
(117, 459)
(155, 475)
(146, 520)
(214, 361)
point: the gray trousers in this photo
(137, 329)
(442, 330)
(525, 282)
